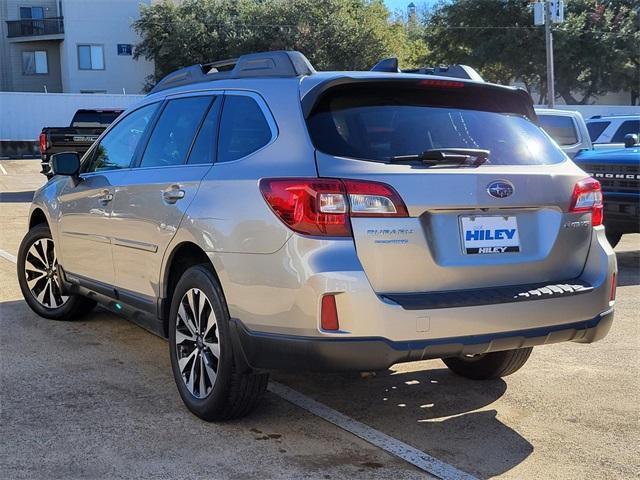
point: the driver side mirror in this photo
(65, 163)
(630, 140)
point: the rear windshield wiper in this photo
(446, 157)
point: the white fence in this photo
(24, 114)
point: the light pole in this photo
(548, 37)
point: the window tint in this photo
(243, 128)
(172, 136)
(596, 129)
(376, 126)
(205, 145)
(88, 118)
(118, 146)
(630, 126)
(560, 128)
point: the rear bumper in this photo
(268, 351)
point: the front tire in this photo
(39, 280)
(200, 346)
(489, 365)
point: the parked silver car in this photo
(262, 215)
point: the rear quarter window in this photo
(596, 128)
(378, 125)
(243, 128)
(562, 129)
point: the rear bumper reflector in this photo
(489, 296)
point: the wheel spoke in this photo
(31, 282)
(210, 371)
(183, 316)
(203, 387)
(211, 322)
(184, 361)
(192, 375)
(192, 306)
(214, 348)
(38, 255)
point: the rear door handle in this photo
(173, 194)
(105, 197)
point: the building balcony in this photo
(35, 29)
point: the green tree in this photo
(596, 48)
(334, 34)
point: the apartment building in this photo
(70, 46)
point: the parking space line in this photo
(412, 455)
(3, 170)
(8, 256)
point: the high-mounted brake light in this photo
(43, 142)
(322, 206)
(587, 197)
(441, 83)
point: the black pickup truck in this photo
(618, 171)
(86, 126)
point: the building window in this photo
(90, 57)
(35, 63)
(27, 13)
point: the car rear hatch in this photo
(469, 224)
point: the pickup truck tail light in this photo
(587, 197)
(323, 206)
(43, 142)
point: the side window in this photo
(560, 128)
(243, 128)
(630, 126)
(596, 129)
(172, 136)
(117, 147)
(204, 148)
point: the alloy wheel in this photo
(41, 274)
(197, 343)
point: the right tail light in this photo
(587, 197)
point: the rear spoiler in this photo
(466, 72)
(515, 100)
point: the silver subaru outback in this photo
(263, 216)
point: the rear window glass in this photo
(596, 129)
(379, 125)
(562, 129)
(94, 119)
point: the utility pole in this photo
(548, 35)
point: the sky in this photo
(394, 5)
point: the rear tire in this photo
(38, 278)
(202, 359)
(613, 237)
(489, 365)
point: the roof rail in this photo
(457, 71)
(265, 64)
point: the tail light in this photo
(322, 206)
(43, 142)
(587, 197)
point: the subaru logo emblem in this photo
(500, 189)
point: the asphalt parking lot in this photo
(95, 399)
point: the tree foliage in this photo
(597, 48)
(334, 34)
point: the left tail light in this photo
(43, 142)
(323, 206)
(587, 197)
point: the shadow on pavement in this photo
(432, 410)
(17, 197)
(628, 268)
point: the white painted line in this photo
(8, 256)
(3, 170)
(389, 444)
